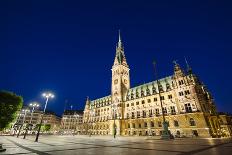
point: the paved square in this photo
(105, 145)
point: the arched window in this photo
(192, 122)
(152, 124)
(176, 123)
(133, 125)
(145, 124)
(128, 125)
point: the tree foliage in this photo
(46, 127)
(10, 104)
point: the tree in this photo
(10, 104)
(46, 127)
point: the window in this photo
(133, 125)
(144, 114)
(132, 115)
(143, 101)
(157, 111)
(150, 113)
(187, 92)
(138, 114)
(139, 125)
(176, 123)
(137, 103)
(181, 82)
(128, 125)
(161, 97)
(132, 104)
(181, 93)
(159, 124)
(149, 101)
(192, 122)
(152, 124)
(173, 110)
(188, 107)
(169, 96)
(145, 124)
(155, 99)
(165, 110)
(127, 115)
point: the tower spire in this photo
(119, 39)
(120, 55)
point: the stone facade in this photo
(187, 105)
(71, 121)
(35, 118)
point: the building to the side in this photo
(71, 121)
(34, 118)
(188, 106)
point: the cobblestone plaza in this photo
(100, 145)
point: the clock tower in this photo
(120, 83)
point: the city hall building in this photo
(181, 98)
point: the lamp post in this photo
(24, 115)
(114, 107)
(165, 134)
(47, 96)
(33, 105)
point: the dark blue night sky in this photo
(68, 47)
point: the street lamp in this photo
(165, 133)
(114, 107)
(47, 96)
(33, 105)
(24, 115)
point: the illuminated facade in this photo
(71, 121)
(188, 106)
